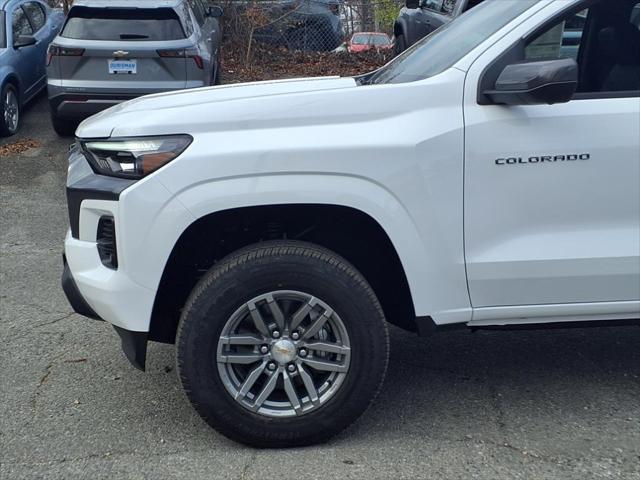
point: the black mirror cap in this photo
(215, 11)
(412, 3)
(24, 41)
(536, 83)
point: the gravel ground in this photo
(555, 404)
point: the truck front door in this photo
(552, 192)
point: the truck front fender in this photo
(355, 192)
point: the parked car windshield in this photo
(123, 24)
(367, 39)
(443, 48)
(3, 33)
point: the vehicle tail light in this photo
(183, 54)
(198, 60)
(59, 51)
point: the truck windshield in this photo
(443, 48)
(3, 33)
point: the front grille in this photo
(106, 238)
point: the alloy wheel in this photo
(283, 354)
(11, 110)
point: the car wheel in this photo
(282, 344)
(401, 44)
(9, 111)
(64, 126)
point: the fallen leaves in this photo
(19, 146)
(272, 63)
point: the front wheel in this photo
(282, 344)
(9, 111)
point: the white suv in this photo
(489, 176)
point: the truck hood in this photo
(193, 110)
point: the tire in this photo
(64, 126)
(10, 110)
(290, 275)
(400, 45)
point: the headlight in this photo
(133, 157)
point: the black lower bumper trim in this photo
(134, 346)
(79, 106)
(75, 298)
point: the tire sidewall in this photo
(214, 303)
(4, 130)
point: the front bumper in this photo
(75, 298)
(134, 344)
(147, 221)
(92, 289)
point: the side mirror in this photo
(412, 3)
(215, 11)
(24, 41)
(535, 83)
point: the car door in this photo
(27, 56)
(552, 192)
(38, 18)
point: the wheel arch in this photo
(361, 239)
(9, 76)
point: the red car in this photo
(364, 41)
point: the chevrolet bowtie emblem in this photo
(120, 53)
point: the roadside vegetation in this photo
(270, 63)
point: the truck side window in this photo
(560, 41)
(605, 41)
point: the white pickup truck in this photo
(485, 177)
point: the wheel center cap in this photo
(283, 351)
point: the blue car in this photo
(26, 29)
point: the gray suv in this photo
(110, 51)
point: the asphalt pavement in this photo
(552, 404)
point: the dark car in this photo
(309, 25)
(421, 17)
